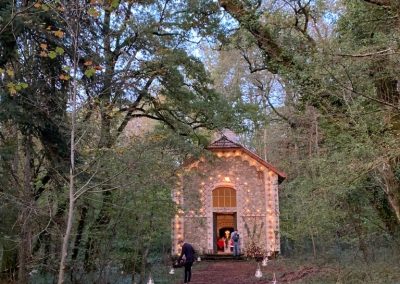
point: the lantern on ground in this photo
(274, 280)
(258, 272)
(150, 280)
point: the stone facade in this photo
(255, 214)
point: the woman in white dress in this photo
(227, 247)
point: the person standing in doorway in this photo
(189, 252)
(236, 243)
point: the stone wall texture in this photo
(257, 210)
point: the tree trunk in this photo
(64, 250)
(313, 244)
(387, 90)
(135, 255)
(106, 139)
(380, 203)
(391, 186)
(357, 225)
(71, 208)
(144, 265)
(79, 231)
(24, 251)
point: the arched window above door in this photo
(224, 197)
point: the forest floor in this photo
(243, 272)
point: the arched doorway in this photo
(225, 217)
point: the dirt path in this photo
(231, 272)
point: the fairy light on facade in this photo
(242, 171)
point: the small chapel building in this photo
(234, 190)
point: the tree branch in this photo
(388, 51)
(249, 20)
(16, 14)
(382, 3)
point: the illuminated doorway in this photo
(223, 199)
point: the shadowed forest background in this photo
(102, 101)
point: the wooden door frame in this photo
(214, 233)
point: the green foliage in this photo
(323, 108)
(134, 62)
(335, 132)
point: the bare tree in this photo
(74, 29)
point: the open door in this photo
(224, 225)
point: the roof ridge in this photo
(224, 142)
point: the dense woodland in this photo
(102, 101)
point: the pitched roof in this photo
(224, 144)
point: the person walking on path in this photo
(236, 243)
(189, 252)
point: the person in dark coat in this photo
(189, 253)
